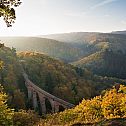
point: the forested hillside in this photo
(63, 80)
(105, 63)
(49, 77)
(119, 32)
(92, 40)
(103, 53)
(50, 47)
(57, 78)
(11, 78)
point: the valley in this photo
(62, 63)
(94, 51)
(52, 65)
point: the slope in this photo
(119, 32)
(107, 109)
(105, 63)
(11, 78)
(82, 39)
(56, 77)
(50, 47)
(103, 53)
(63, 80)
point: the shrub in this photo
(6, 114)
(25, 118)
(112, 104)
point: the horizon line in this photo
(37, 35)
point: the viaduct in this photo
(34, 91)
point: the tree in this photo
(7, 10)
(1, 64)
(6, 114)
(18, 100)
(49, 83)
(112, 105)
(25, 118)
(11, 79)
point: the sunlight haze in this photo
(61, 16)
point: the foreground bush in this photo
(6, 114)
(25, 118)
(10, 118)
(109, 106)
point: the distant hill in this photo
(91, 42)
(73, 37)
(87, 38)
(53, 48)
(105, 63)
(103, 53)
(119, 32)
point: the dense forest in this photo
(54, 76)
(108, 109)
(68, 79)
(99, 69)
(105, 63)
(101, 53)
(11, 78)
(53, 48)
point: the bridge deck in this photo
(30, 83)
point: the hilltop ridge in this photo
(119, 32)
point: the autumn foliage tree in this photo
(111, 105)
(6, 114)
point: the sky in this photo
(40, 17)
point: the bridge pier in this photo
(56, 106)
(42, 103)
(29, 93)
(35, 104)
(52, 104)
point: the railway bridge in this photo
(34, 91)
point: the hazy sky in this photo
(37, 17)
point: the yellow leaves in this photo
(122, 89)
(6, 114)
(111, 105)
(1, 64)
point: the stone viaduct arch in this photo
(34, 90)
